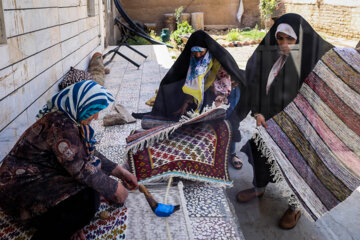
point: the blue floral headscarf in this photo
(80, 101)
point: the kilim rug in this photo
(198, 151)
(9, 230)
(315, 140)
(114, 227)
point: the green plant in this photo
(233, 35)
(253, 34)
(136, 40)
(267, 7)
(245, 35)
(154, 36)
(178, 12)
(182, 28)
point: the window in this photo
(108, 6)
(2, 25)
(91, 8)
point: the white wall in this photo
(44, 39)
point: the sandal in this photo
(236, 162)
(289, 219)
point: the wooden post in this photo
(3, 39)
(91, 8)
(197, 20)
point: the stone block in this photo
(14, 50)
(12, 133)
(9, 113)
(24, 71)
(5, 56)
(13, 4)
(6, 82)
(68, 3)
(68, 14)
(47, 58)
(68, 30)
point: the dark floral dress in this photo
(49, 163)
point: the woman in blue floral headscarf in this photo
(52, 179)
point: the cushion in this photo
(74, 76)
(121, 116)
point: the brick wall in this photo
(44, 38)
(339, 18)
(215, 12)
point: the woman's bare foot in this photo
(79, 235)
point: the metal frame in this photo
(127, 31)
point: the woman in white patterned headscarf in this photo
(275, 73)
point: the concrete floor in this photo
(257, 219)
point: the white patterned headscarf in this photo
(278, 65)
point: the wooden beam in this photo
(3, 39)
(91, 8)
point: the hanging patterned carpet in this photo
(197, 151)
(315, 140)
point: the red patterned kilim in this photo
(196, 151)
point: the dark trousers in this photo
(259, 163)
(67, 217)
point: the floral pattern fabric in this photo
(49, 163)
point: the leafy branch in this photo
(268, 7)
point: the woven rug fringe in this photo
(190, 115)
(161, 136)
(166, 176)
(151, 141)
(275, 171)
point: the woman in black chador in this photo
(274, 74)
(203, 73)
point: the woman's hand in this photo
(188, 100)
(260, 120)
(182, 110)
(120, 195)
(128, 180)
(220, 100)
